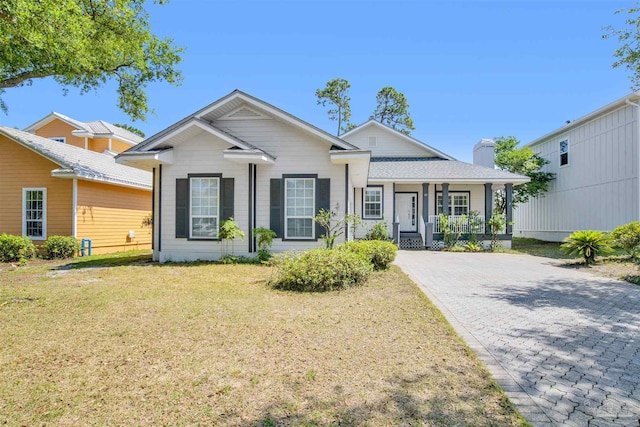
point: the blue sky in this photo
(470, 69)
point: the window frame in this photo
(43, 220)
(364, 202)
(217, 177)
(565, 153)
(286, 217)
(451, 194)
(61, 139)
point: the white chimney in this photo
(484, 153)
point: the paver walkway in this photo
(564, 344)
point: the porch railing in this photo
(462, 224)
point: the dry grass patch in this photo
(207, 344)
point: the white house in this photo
(595, 161)
(241, 157)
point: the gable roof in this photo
(621, 102)
(227, 104)
(94, 129)
(437, 170)
(410, 139)
(79, 163)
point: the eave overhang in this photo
(358, 161)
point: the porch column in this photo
(508, 190)
(445, 198)
(425, 202)
(488, 206)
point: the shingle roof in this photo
(84, 164)
(437, 170)
(96, 127)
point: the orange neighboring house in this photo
(59, 177)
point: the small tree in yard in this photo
(587, 243)
(627, 238)
(496, 223)
(265, 238)
(229, 232)
(334, 226)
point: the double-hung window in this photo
(458, 203)
(204, 207)
(34, 213)
(564, 152)
(372, 203)
(299, 208)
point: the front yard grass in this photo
(617, 265)
(127, 342)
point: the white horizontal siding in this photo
(201, 154)
(387, 143)
(598, 190)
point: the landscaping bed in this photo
(123, 341)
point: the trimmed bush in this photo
(587, 243)
(319, 270)
(380, 254)
(60, 247)
(379, 231)
(627, 238)
(16, 248)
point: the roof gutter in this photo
(634, 104)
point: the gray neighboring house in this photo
(241, 157)
(596, 160)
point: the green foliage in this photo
(392, 109)
(232, 259)
(60, 247)
(586, 243)
(319, 270)
(628, 53)
(264, 239)
(85, 44)
(131, 129)
(496, 223)
(229, 232)
(473, 247)
(379, 231)
(380, 254)
(336, 93)
(16, 248)
(627, 238)
(147, 221)
(523, 161)
(334, 225)
(447, 231)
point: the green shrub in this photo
(319, 270)
(380, 254)
(379, 231)
(627, 238)
(59, 247)
(264, 238)
(473, 247)
(16, 248)
(587, 243)
(238, 259)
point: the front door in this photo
(407, 211)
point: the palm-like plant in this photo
(587, 243)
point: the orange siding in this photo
(21, 168)
(119, 146)
(59, 128)
(99, 144)
(106, 213)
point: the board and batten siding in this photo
(597, 190)
(106, 213)
(296, 152)
(22, 168)
(387, 144)
(58, 128)
(201, 154)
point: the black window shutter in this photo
(276, 213)
(323, 200)
(182, 208)
(227, 196)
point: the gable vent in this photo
(373, 141)
(244, 113)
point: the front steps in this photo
(411, 241)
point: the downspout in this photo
(74, 215)
(637, 147)
(110, 145)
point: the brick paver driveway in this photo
(563, 343)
